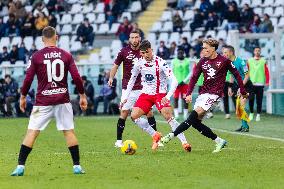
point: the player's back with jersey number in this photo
(51, 66)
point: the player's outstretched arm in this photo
(112, 74)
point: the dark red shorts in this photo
(181, 91)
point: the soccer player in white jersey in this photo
(155, 73)
(51, 66)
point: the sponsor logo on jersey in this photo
(149, 77)
(130, 56)
(54, 91)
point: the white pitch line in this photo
(243, 134)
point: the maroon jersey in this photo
(214, 71)
(51, 66)
(126, 55)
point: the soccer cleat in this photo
(251, 116)
(245, 130)
(186, 147)
(239, 129)
(257, 117)
(209, 115)
(220, 146)
(156, 140)
(77, 170)
(19, 171)
(167, 138)
(118, 144)
(227, 116)
(160, 144)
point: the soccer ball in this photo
(129, 147)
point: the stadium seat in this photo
(281, 22)
(105, 54)
(5, 41)
(115, 47)
(211, 32)
(135, 7)
(163, 37)
(6, 63)
(20, 63)
(167, 27)
(274, 21)
(95, 28)
(245, 2)
(103, 29)
(279, 11)
(267, 3)
(166, 16)
(29, 8)
(28, 42)
(156, 26)
(19, 69)
(76, 8)
(114, 28)
(66, 19)
(222, 34)
(99, 8)
(256, 3)
(66, 29)
(78, 19)
(73, 39)
(152, 38)
(91, 17)
(258, 11)
(16, 41)
(87, 8)
(5, 19)
(100, 19)
(187, 35)
(94, 58)
(188, 15)
(196, 34)
(268, 10)
(174, 37)
(186, 27)
(76, 46)
(125, 14)
(38, 43)
(279, 3)
(64, 42)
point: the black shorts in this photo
(248, 87)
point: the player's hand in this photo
(230, 91)
(188, 99)
(23, 103)
(122, 103)
(164, 100)
(110, 80)
(243, 101)
(83, 102)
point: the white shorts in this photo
(133, 96)
(41, 116)
(207, 101)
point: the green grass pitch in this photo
(247, 162)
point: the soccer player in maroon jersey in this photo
(126, 55)
(214, 67)
(51, 66)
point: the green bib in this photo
(257, 70)
(181, 69)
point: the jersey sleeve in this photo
(119, 58)
(29, 77)
(196, 73)
(75, 75)
(134, 73)
(231, 67)
(169, 74)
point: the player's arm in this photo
(134, 73)
(27, 84)
(173, 81)
(267, 76)
(237, 76)
(78, 83)
(115, 67)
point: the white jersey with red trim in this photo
(155, 76)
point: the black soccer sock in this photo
(204, 130)
(152, 122)
(24, 152)
(74, 151)
(187, 123)
(120, 128)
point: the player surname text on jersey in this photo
(52, 55)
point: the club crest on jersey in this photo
(211, 73)
(149, 77)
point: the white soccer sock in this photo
(176, 112)
(174, 124)
(218, 140)
(20, 166)
(185, 113)
(144, 125)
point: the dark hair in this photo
(136, 31)
(84, 78)
(145, 44)
(48, 32)
(230, 47)
(256, 47)
(8, 75)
